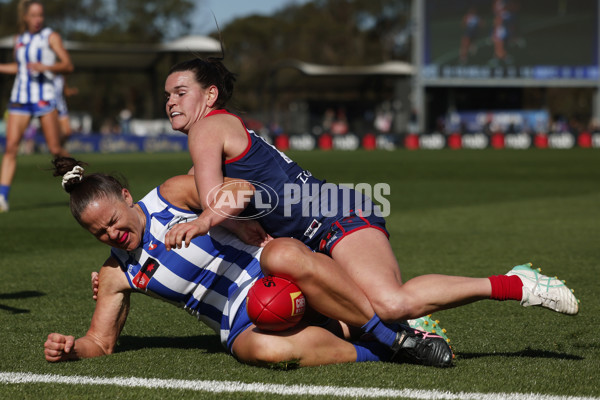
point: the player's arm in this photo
(69, 91)
(206, 146)
(231, 197)
(9, 68)
(206, 143)
(181, 192)
(64, 64)
(112, 307)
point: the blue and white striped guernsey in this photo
(209, 279)
(30, 86)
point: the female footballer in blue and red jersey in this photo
(293, 203)
(354, 235)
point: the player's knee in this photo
(283, 257)
(11, 149)
(392, 306)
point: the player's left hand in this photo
(182, 234)
(250, 232)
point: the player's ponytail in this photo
(71, 170)
(85, 188)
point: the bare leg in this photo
(52, 133)
(367, 257)
(430, 293)
(331, 291)
(328, 289)
(15, 129)
(65, 129)
(307, 346)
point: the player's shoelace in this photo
(428, 324)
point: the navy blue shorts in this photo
(38, 109)
(241, 322)
(347, 225)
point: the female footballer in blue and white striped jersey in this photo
(32, 86)
(39, 55)
(209, 279)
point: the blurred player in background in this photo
(63, 91)
(39, 55)
(472, 25)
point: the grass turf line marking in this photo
(267, 388)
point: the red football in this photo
(275, 304)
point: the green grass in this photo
(474, 213)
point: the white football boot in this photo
(541, 290)
(3, 204)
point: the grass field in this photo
(474, 213)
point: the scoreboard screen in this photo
(511, 39)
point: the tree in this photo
(123, 21)
(329, 32)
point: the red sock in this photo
(506, 287)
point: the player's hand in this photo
(182, 234)
(95, 285)
(58, 346)
(250, 232)
(37, 67)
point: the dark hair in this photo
(207, 72)
(87, 189)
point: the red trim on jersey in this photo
(356, 230)
(239, 157)
(345, 233)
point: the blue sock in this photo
(371, 351)
(380, 330)
(4, 190)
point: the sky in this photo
(228, 10)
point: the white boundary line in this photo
(267, 388)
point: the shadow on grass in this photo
(209, 343)
(528, 353)
(26, 294)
